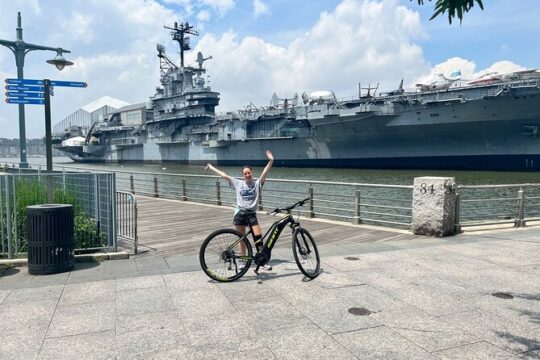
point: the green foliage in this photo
(31, 192)
(454, 7)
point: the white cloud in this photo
(221, 6)
(203, 16)
(260, 8)
(355, 43)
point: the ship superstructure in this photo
(485, 124)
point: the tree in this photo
(454, 7)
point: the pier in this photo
(171, 227)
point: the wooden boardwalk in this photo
(171, 227)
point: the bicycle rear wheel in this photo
(306, 253)
(221, 260)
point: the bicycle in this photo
(220, 258)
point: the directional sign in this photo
(25, 94)
(68, 83)
(24, 82)
(38, 88)
(25, 101)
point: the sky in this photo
(258, 47)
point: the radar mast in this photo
(178, 33)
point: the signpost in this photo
(38, 92)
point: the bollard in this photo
(434, 202)
(520, 221)
(356, 218)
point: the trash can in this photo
(49, 233)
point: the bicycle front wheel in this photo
(306, 253)
(225, 256)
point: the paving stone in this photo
(145, 333)
(531, 355)
(26, 314)
(23, 343)
(508, 335)
(98, 345)
(88, 292)
(52, 292)
(381, 343)
(179, 352)
(271, 313)
(246, 289)
(188, 281)
(424, 330)
(140, 301)
(151, 263)
(260, 353)
(304, 342)
(220, 333)
(82, 318)
(203, 302)
(140, 282)
(3, 295)
(478, 351)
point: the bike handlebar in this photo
(289, 208)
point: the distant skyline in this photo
(258, 47)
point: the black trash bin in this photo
(49, 233)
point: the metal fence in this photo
(126, 214)
(92, 197)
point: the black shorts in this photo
(244, 218)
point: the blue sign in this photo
(25, 101)
(25, 94)
(38, 88)
(24, 82)
(41, 82)
(68, 83)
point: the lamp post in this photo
(20, 49)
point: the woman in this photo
(248, 192)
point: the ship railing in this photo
(481, 205)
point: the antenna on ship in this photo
(178, 33)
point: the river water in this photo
(369, 176)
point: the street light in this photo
(20, 49)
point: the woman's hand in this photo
(269, 155)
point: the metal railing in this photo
(92, 197)
(498, 204)
(126, 219)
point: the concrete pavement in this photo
(471, 296)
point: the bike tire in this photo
(219, 263)
(306, 253)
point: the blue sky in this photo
(260, 46)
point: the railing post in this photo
(260, 206)
(311, 212)
(218, 193)
(184, 190)
(356, 217)
(131, 184)
(457, 225)
(520, 221)
(156, 190)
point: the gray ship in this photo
(491, 123)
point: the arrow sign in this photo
(24, 82)
(69, 83)
(25, 94)
(25, 101)
(37, 88)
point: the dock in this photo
(172, 227)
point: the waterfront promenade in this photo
(471, 296)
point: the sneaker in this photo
(241, 265)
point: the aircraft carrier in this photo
(491, 123)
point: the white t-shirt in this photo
(247, 194)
